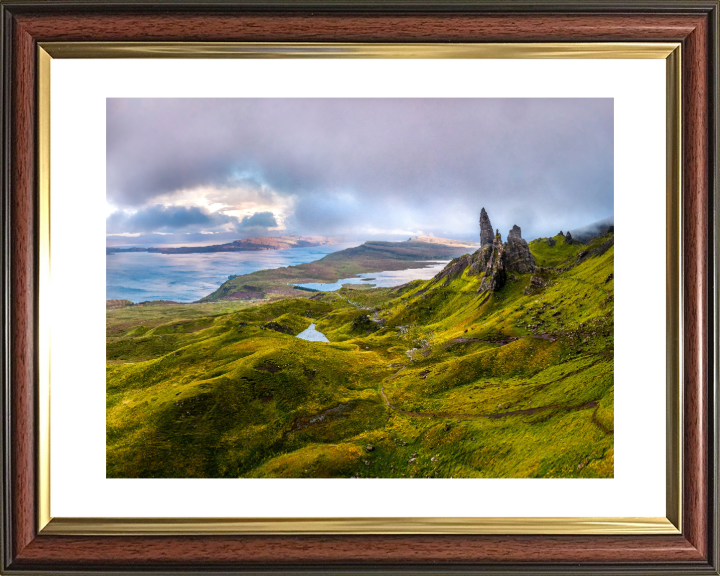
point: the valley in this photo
(501, 366)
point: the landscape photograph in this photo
(360, 288)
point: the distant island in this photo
(243, 245)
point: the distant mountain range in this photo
(244, 245)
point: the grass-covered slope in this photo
(553, 255)
(429, 379)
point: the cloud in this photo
(329, 166)
(327, 213)
(160, 218)
(171, 239)
(259, 222)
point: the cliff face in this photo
(495, 269)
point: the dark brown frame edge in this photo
(694, 23)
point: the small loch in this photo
(312, 335)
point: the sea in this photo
(143, 276)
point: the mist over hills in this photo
(590, 231)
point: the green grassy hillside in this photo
(547, 255)
(431, 379)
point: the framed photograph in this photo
(332, 287)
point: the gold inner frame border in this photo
(671, 524)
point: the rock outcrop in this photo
(538, 281)
(495, 260)
(495, 273)
(597, 251)
(516, 253)
(568, 238)
(457, 266)
(477, 262)
(500, 260)
(486, 231)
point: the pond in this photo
(312, 335)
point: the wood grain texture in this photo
(23, 292)
(696, 197)
(358, 28)
(660, 553)
(358, 550)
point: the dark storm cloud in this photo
(258, 222)
(349, 165)
(164, 218)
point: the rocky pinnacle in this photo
(500, 262)
(486, 230)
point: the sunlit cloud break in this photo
(352, 167)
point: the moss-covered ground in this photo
(431, 379)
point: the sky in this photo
(208, 171)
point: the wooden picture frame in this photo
(28, 547)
